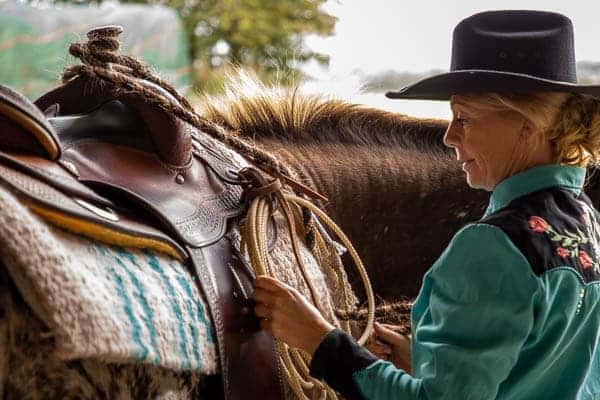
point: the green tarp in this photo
(34, 40)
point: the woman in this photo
(511, 308)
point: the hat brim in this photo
(443, 86)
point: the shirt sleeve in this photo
(479, 312)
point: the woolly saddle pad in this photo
(105, 302)
(124, 306)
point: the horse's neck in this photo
(373, 177)
(400, 207)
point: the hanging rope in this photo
(265, 198)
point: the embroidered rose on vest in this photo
(538, 224)
(562, 252)
(585, 259)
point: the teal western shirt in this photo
(487, 324)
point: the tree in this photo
(265, 35)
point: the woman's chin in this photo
(478, 184)
(473, 181)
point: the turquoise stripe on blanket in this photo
(155, 265)
(140, 295)
(190, 311)
(159, 306)
(116, 305)
(127, 305)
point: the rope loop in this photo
(256, 185)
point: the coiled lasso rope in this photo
(265, 197)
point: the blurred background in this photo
(353, 49)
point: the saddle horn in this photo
(83, 93)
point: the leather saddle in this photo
(107, 164)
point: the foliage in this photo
(264, 35)
(34, 39)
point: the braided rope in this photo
(99, 60)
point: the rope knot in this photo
(257, 185)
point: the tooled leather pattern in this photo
(247, 356)
(211, 208)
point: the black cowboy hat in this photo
(508, 50)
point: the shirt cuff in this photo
(336, 359)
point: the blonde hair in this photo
(570, 121)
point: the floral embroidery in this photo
(562, 252)
(593, 231)
(568, 242)
(538, 224)
(585, 260)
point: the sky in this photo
(378, 35)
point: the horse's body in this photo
(392, 185)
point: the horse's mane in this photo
(288, 114)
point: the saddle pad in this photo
(104, 302)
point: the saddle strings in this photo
(100, 60)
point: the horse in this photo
(392, 184)
(122, 243)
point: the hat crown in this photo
(536, 43)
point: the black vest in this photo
(553, 228)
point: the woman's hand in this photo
(389, 345)
(287, 315)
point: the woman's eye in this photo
(461, 120)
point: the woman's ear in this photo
(530, 133)
(527, 129)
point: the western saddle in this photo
(102, 161)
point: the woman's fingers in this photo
(261, 295)
(391, 327)
(379, 349)
(269, 284)
(287, 315)
(265, 303)
(266, 325)
(389, 336)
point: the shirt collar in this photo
(533, 179)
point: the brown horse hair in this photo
(301, 127)
(260, 113)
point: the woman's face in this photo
(488, 144)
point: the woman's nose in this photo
(451, 136)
